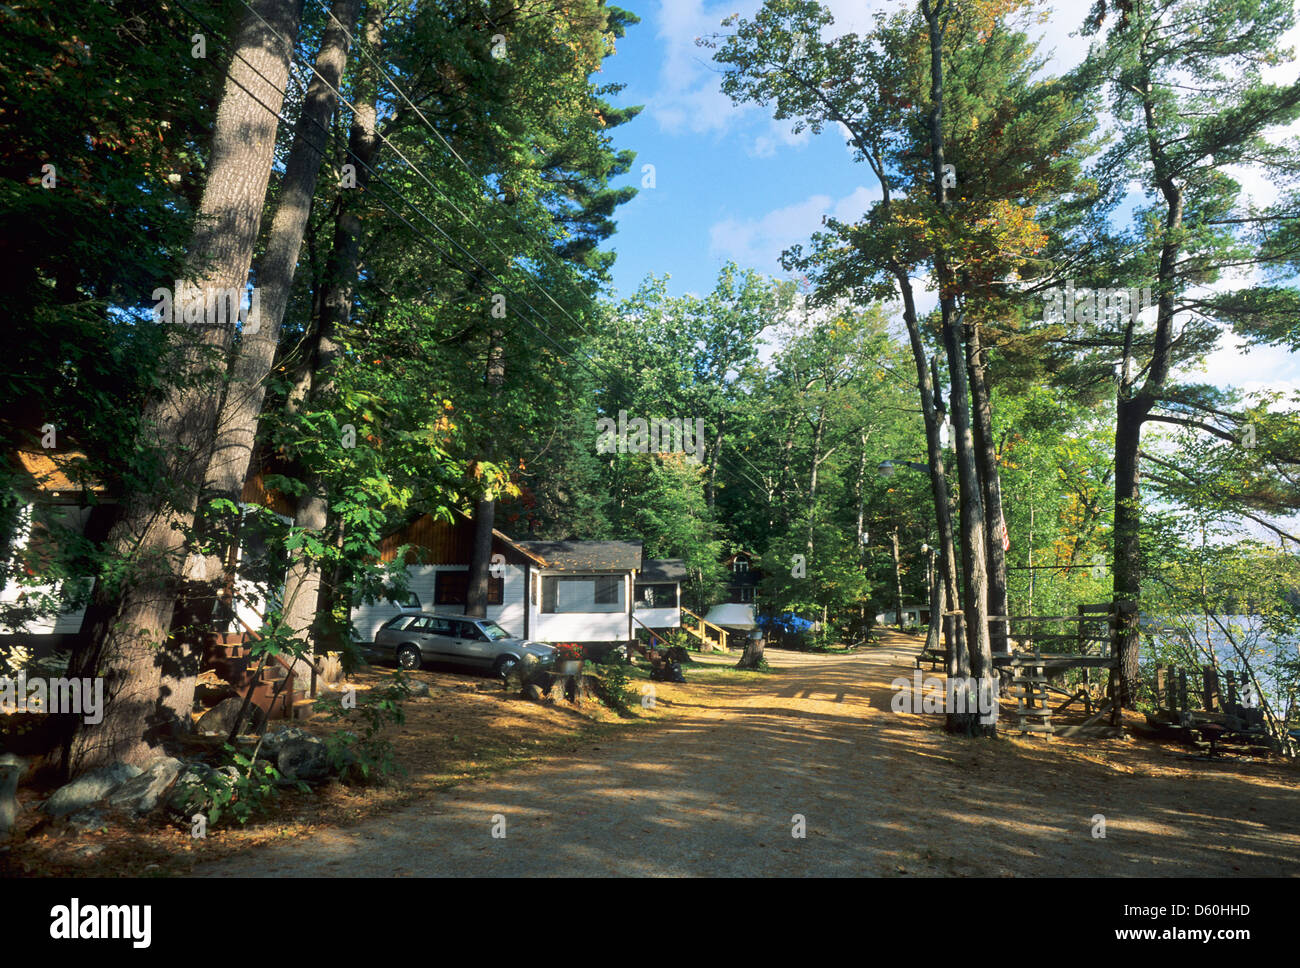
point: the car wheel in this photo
(504, 666)
(408, 656)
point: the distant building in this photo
(742, 578)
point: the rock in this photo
(220, 719)
(275, 739)
(534, 692)
(140, 794)
(303, 759)
(188, 795)
(419, 688)
(88, 818)
(11, 771)
(91, 787)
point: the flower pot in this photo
(568, 667)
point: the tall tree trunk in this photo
(812, 474)
(232, 454)
(958, 661)
(1133, 408)
(485, 511)
(898, 581)
(303, 582)
(1127, 571)
(986, 460)
(149, 678)
(974, 563)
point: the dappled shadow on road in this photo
(720, 787)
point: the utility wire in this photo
(562, 352)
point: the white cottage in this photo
(57, 493)
(548, 591)
(658, 599)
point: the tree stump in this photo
(753, 655)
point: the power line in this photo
(351, 107)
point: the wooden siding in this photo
(438, 542)
(256, 492)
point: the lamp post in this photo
(887, 468)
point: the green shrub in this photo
(619, 694)
(369, 756)
(241, 788)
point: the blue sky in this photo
(732, 184)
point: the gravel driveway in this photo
(715, 790)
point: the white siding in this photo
(659, 618)
(421, 580)
(64, 623)
(581, 626)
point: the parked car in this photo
(414, 638)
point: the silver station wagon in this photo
(418, 637)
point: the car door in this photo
(435, 640)
(470, 642)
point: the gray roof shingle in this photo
(658, 570)
(586, 555)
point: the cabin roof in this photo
(662, 570)
(586, 555)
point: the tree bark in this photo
(476, 595)
(1133, 410)
(973, 544)
(149, 678)
(303, 581)
(986, 458)
(232, 454)
(898, 581)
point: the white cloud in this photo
(758, 242)
(689, 98)
(1252, 370)
(779, 134)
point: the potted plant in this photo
(568, 659)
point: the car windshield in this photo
(493, 631)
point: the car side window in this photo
(468, 630)
(440, 626)
(419, 625)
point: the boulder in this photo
(220, 719)
(275, 739)
(418, 688)
(188, 794)
(303, 759)
(11, 771)
(88, 818)
(141, 794)
(91, 787)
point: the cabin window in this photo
(662, 595)
(740, 565)
(582, 593)
(452, 588)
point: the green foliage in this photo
(367, 756)
(618, 692)
(239, 789)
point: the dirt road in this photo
(719, 790)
